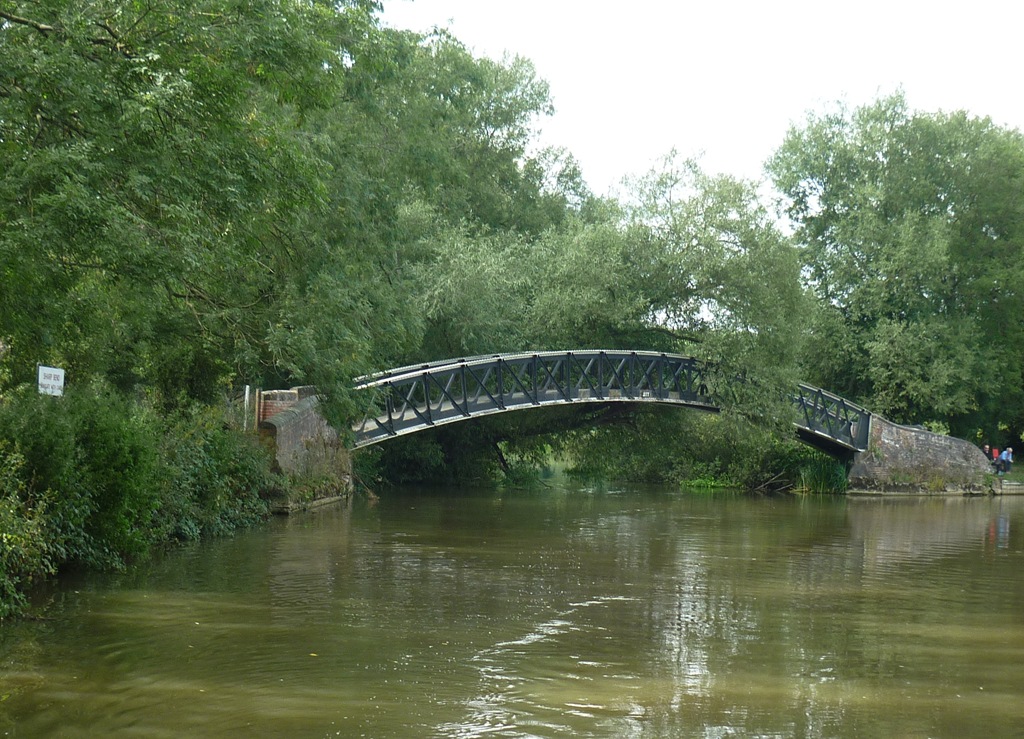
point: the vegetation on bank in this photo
(196, 196)
(98, 481)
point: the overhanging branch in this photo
(43, 28)
(113, 42)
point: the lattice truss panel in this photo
(825, 414)
(417, 397)
(413, 398)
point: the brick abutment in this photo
(304, 446)
(911, 459)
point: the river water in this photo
(564, 612)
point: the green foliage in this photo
(216, 478)
(118, 469)
(688, 448)
(98, 480)
(727, 282)
(594, 285)
(458, 127)
(823, 475)
(155, 168)
(27, 551)
(97, 453)
(472, 297)
(910, 227)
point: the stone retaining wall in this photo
(911, 459)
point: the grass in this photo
(1015, 475)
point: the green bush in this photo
(119, 470)
(26, 549)
(97, 479)
(691, 449)
(216, 477)
(97, 452)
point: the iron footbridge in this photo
(418, 397)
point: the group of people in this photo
(1001, 461)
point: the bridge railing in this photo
(824, 414)
(417, 397)
(420, 396)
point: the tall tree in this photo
(152, 164)
(726, 280)
(911, 226)
(195, 192)
(456, 131)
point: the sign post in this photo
(51, 380)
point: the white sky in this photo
(724, 79)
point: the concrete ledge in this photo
(285, 508)
(1007, 488)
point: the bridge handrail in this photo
(365, 381)
(833, 396)
(857, 418)
(401, 374)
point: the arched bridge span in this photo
(418, 397)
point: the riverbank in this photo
(1008, 488)
(96, 480)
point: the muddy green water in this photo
(569, 612)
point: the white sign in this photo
(51, 380)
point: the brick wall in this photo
(300, 438)
(914, 460)
(272, 402)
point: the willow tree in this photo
(449, 141)
(700, 268)
(695, 265)
(725, 278)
